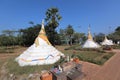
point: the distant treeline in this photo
(26, 37)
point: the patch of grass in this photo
(79, 48)
(96, 56)
(13, 67)
(1, 63)
(116, 46)
(4, 49)
(90, 49)
(72, 47)
(107, 56)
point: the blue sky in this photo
(102, 15)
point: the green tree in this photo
(4, 40)
(52, 18)
(117, 29)
(69, 33)
(8, 32)
(115, 36)
(99, 37)
(64, 39)
(11, 38)
(19, 37)
(32, 23)
(28, 35)
(78, 36)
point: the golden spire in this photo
(105, 38)
(42, 31)
(89, 34)
(42, 34)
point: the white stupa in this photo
(107, 42)
(89, 43)
(40, 53)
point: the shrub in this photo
(71, 47)
(93, 56)
(108, 56)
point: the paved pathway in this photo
(109, 71)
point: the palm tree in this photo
(52, 19)
(32, 23)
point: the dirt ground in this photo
(3, 57)
(109, 71)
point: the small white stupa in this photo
(89, 43)
(107, 42)
(40, 53)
